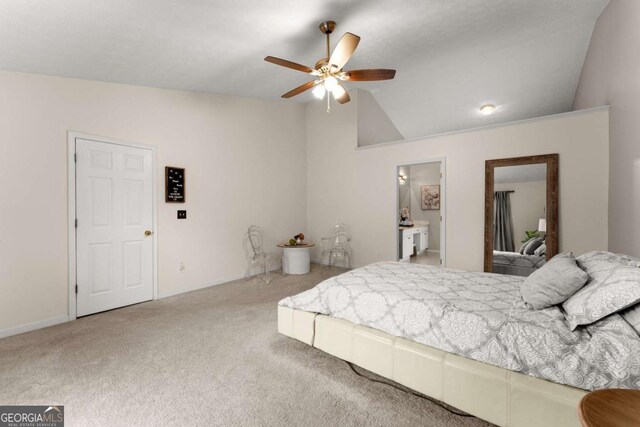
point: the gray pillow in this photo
(554, 282)
(614, 284)
(533, 245)
(541, 251)
(524, 245)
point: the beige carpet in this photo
(209, 357)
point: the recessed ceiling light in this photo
(487, 109)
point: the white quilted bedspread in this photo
(480, 316)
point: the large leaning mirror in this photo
(521, 213)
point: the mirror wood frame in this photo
(552, 237)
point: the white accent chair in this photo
(337, 245)
(256, 254)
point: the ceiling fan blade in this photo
(344, 50)
(370, 75)
(344, 98)
(289, 64)
(300, 89)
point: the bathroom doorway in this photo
(421, 219)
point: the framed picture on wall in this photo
(174, 185)
(431, 197)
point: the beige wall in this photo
(358, 186)
(374, 125)
(240, 156)
(611, 76)
(528, 205)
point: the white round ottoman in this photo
(296, 259)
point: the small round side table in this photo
(612, 407)
(296, 259)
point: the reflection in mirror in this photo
(517, 195)
(519, 208)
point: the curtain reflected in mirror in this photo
(518, 193)
(503, 222)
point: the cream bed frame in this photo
(497, 395)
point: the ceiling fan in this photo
(328, 71)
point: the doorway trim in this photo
(71, 209)
(443, 205)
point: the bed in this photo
(465, 338)
(515, 263)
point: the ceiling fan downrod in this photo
(327, 28)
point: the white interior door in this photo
(114, 234)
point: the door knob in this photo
(148, 233)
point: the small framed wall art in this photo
(430, 197)
(174, 184)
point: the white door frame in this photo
(443, 205)
(71, 191)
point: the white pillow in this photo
(541, 251)
(614, 284)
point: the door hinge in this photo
(76, 222)
(440, 264)
(77, 285)
(440, 220)
(75, 157)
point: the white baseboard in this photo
(337, 264)
(179, 291)
(28, 327)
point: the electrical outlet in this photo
(181, 267)
(182, 214)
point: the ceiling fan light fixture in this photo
(318, 91)
(338, 91)
(328, 71)
(330, 83)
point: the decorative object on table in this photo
(338, 245)
(430, 197)
(174, 185)
(254, 247)
(405, 219)
(298, 239)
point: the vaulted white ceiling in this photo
(451, 56)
